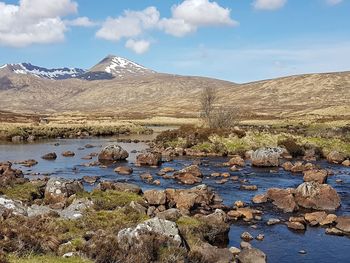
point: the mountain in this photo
(29, 69)
(119, 86)
(108, 68)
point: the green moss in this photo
(186, 221)
(327, 145)
(46, 259)
(110, 199)
(26, 192)
(204, 147)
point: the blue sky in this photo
(236, 40)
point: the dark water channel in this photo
(280, 243)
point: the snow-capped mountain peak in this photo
(29, 69)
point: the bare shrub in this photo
(207, 101)
(224, 118)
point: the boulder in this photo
(315, 175)
(266, 157)
(330, 219)
(246, 236)
(49, 156)
(154, 197)
(259, 199)
(10, 176)
(283, 199)
(343, 224)
(130, 237)
(124, 170)
(16, 207)
(236, 160)
(251, 255)
(189, 175)
(58, 190)
(346, 163)
(171, 214)
(317, 196)
(287, 166)
(335, 157)
(117, 186)
(315, 217)
(28, 163)
(68, 154)
(112, 153)
(76, 208)
(298, 167)
(148, 159)
(208, 253)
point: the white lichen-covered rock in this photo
(58, 190)
(76, 209)
(130, 237)
(15, 206)
(267, 157)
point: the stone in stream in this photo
(296, 226)
(148, 159)
(49, 156)
(189, 175)
(90, 179)
(283, 199)
(28, 163)
(266, 157)
(249, 187)
(346, 163)
(68, 154)
(246, 236)
(273, 221)
(319, 176)
(259, 199)
(236, 160)
(123, 170)
(112, 153)
(335, 157)
(251, 255)
(317, 196)
(343, 224)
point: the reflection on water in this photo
(280, 244)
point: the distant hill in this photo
(117, 85)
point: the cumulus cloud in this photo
(269, 4)
(333, 2)
(34, 21)
(186, 18)
(80, 21)
(139, 47)
(130, 24)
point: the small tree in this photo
(207, 101)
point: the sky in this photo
(235, 40)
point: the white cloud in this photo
(34, 21)
(80, 21)
(139, 47)
(333, 2)
(269, 4)
(188, 16)
(130, 24)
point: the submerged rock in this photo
(123, 170)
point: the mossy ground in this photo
(46, 259)
(26, 192)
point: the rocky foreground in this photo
(117, 222)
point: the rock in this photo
(10, 176)
(343, 224)
(236, 160)
(49, 156)
(273, 221)
(246, 236)
(335, 157)
(16, 207)
(239, 204)
(58, 190)
(28, 163)
(130, 237)
(319, 176)
(260, 237)
(187, 178)
(247, 213)
(167, 170)
(330, 219)
(76, 208)
(121, 187)
(124, 170)
(36, 210)
(154, 197)
(31, 138)
(299, 219)
(283, 199)
(112, 153)
(303, 252)
(334, 231)
(146, 177)
(298, 167)
(249, 187)
(287, 166)
(90, 179)
(234, 250)
(171, 214)
(68, 154)
(266, 157)
(346, 163)
(251, 255)
(245, 245)
(150, 159)
(17, 139)
(192, 169)
(138, 207)
(296, 225)
(209, 253)
(316, 217)
(234, 168)
(317, 196)
(259, 199)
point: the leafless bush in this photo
(207, 101)
(224, 118)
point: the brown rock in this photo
(283, 199)
(317, 196)
(249, 187)
(124, 170)
(330, 219)
(154, 197)
(334, 231)
(343, 224)
(259, 199)
(246, 236)
(113, 153)
(287, 166)
(296, 225)
(121, 187)
(316, 217)
(236, 160)
(68, 154)
(167, 170)
(188, 178)
(346, 163)
(298, 167)
(252, 255)
(335, 157)
(239, 204)
(91, 179)
(148, 159)
(319, 176)
(146, 177)
(49, 156)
